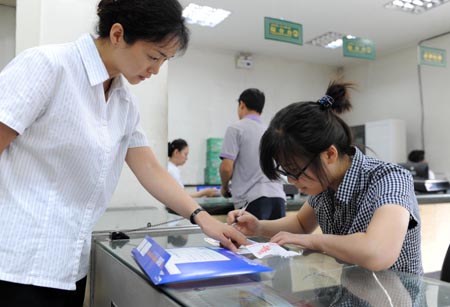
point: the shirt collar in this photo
(350, 183)
(254, 117)
(93, 63)
(95, 68)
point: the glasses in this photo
(297, 176)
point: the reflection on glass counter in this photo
(313, 279)
(221, 205)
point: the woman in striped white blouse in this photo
(67, 125)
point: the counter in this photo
(434, 211)
(312, 279)
(221, 205)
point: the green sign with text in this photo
(283, 31)
(358, 48)
(433, 56)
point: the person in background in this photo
(418, 156)
(178, 154)
(240, 164)
(366, 208)
(68, 122)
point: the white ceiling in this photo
(243, 30)
(390, 30)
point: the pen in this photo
(241, 212)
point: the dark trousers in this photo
(268, 208)
(19, 295)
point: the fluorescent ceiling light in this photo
(204, 15)
(414, 6)
(331, 40)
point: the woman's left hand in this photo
(284, 237)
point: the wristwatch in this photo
(194, 214)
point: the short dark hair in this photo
(178, 144)
(416, 155)
(302, 130)
(147, 20)
(254, 99)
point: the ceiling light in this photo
(414, 6)
(331, 40)
(204, 15)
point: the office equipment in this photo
(203, 187)
(431, 185)
(383, 139)
(419, 170)
(290, 190)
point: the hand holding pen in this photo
(244, 222)
(240, 213)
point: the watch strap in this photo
(194, 214)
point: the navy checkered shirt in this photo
(367, 185)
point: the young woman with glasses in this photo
(366, 208)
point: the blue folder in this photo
(203, 262)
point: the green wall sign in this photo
(358, 48)
(433, 56)
(283, 31)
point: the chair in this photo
(445, 272)
(445, 276)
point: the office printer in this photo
(290, 190)
(419, 171)
(431, 185)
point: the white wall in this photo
(56, 21)
(389, 88)
(436, 96)
(7, 34)
(204, 86)
(28, 24)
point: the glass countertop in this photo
(312, 279)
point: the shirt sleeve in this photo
(138, 136)
(27, 84)
(231, 142)
(396, 186)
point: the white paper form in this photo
(191, 255)
(260, 250)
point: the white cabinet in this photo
(386, 140)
